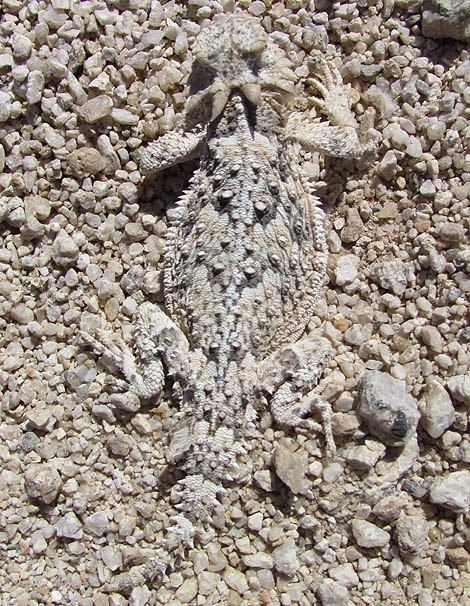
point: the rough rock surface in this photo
(446, 19)
(388, 411)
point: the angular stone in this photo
(452, 491)
(64, 249)
(236, 580)
(389, 508)
(187, 591)
(258, 560)
(69, 527)
(291, 468)
(333, 594)
(97, 523)
(389, 412)
(412, 533)
(43, 482)
(365, 456)
(354, 227)
(432, 338)
(285, 558)
(96, 109)
(451, 233)
(446, 19)
(459, 387)
(391, 275)
(369, 535)
(344, 574)
(437, 411)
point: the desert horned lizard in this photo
(244, 265)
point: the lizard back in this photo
(247, 254)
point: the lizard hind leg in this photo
(156, 339)
(291, 375)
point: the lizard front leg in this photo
(339, 137)
(170, 149)
(290, 376)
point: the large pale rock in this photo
(452, 491)
(390, 413)
(446, 19)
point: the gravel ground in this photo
(85, 493)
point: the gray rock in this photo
(42, 482)
(135, 232)
(255, 522)
(187, 591)
(29, 441)
(32, 228)
(369, 535)
(118, 445)
(22, 314)
(451, 233)
(412, 533)
(6, 60)
(40, 418)
(371, 71)
(459, 387)
(346, 269)
(235, 580)
(97, 523)
(64, 249)
(437, 412)
(285, 558)
(38, 542)
(446, 19)
(21, 47)
(69, 527)
(291, 468)
(389, 508)
(140, 595)
(264, 479)
(16, 217)
(207, 582)
(365, 456)
(111, 557)
(258, 560)
(35, 86)
(101, 411)
(345, 575)
(431, 337)
(389, 412)
(124, 116)
(333, 594)
(54, 138)
(452, 491)
(391, 275)
(96, 109)
(388, 166)
(111, 160)
(354, 227)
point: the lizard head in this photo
(238, 54)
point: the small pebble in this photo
(291, 468)
(369, 535)
(285, 558)
(43, 483)
(437, 411)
